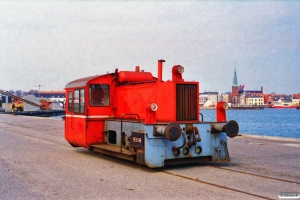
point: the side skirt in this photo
(114, 151)
(187, 160)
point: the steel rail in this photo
(258, 175)
(213, 184)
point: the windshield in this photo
(99, 95)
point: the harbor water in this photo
(266, 122)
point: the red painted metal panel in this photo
(127, 77)
(166, 101)
(221, 112)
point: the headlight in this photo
(180, 69)
(152, 106)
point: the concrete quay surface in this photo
(37, 163)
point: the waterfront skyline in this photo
(53, 43)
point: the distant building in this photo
(33, 92)
(224, 97)
(12, 92)
(254, 97)
(54, 96)
(254, 101)
(6, 99)
(296, 99)
(19, 93)
(209, 99)
(296, 96)
(271, 98)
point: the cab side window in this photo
(99, 95)
(70, 101)
(79, 101)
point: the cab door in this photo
(79, 118)
(76, 118)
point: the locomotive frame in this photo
(138, 117)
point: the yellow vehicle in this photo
(17, 105)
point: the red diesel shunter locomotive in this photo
(135, 116)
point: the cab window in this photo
(70, 101)
(79, 101)
(99, 95)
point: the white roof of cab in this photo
(80, 82)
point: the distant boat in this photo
(282, 105)
(245, 107)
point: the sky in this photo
(51, 43)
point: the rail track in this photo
(251, 194)
(217, 185)
(258, 175)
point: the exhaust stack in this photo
(160, 67)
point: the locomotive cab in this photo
(135, 116)
(87, 106)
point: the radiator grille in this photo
(186, 102)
